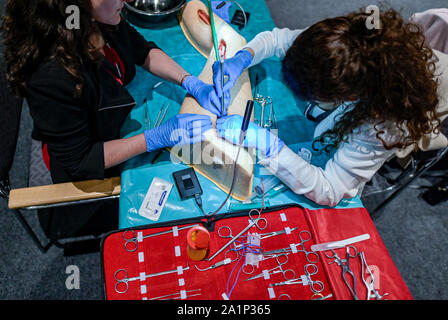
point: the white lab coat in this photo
(353, 164)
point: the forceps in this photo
(272, 121)
(123, 280)
(275, 233)
(130, 243)
(264, 257)
(345, 266)
(253, 221)
(160, 119)
(310, 269)
(313, 254)
(221, 263)
(371, 291)
(281, 259)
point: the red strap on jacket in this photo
(113, 57)
(45, 155)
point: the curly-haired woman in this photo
(373, 92)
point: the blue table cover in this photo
(153, 93)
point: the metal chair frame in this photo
(416, 169)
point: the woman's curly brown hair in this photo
(387, 72)
(35, 31)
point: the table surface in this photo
(138, 172)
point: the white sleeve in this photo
(266, 44)
(353, 164)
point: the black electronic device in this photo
(246, 119)
(238, 19)
(187, 183)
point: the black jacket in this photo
(76, 128)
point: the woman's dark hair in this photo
(36, 31)
(387, 72)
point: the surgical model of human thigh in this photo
(215, 157)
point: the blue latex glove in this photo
(233, 67)
(229, 128)
(179, 130)
(206, 95)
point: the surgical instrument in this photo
(253, 222)
(271, 123)
(263, 101)
(267, 101)
(268, 183)
(263, 104)
(293, 248)
(321, 296)
(310, 269)
(222, 87)
(279, 188)
(133, 239)
(281, 259)
(224, 262)
(345, 266)
(147, 118)
(218, 58)
(244, 127)
(276, 233)
(212, 25)
(157, 124)
(262, 258)
(339, 244)
(125, 280)
(371, 291)
(159, 121)
(174, 295)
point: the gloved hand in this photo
(229, 128)
(233, 67)
(206, 95)
(179, 130)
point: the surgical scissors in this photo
(125, 280)
(253, 221)
(315, 286)
(302, 244)
(345, 266)
(281, 259)
(371, 291)
(130, 243)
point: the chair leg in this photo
(375, 211)
(31, 233)
(418, 173)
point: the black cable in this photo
(198, 199)
(244, 127)
(235, 169)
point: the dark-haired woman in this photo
(74, 82)
(374, 93)
(74, 78)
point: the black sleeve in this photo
(140, 47)
(62, 121)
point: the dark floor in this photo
(415, 233)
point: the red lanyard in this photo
(112, 56)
